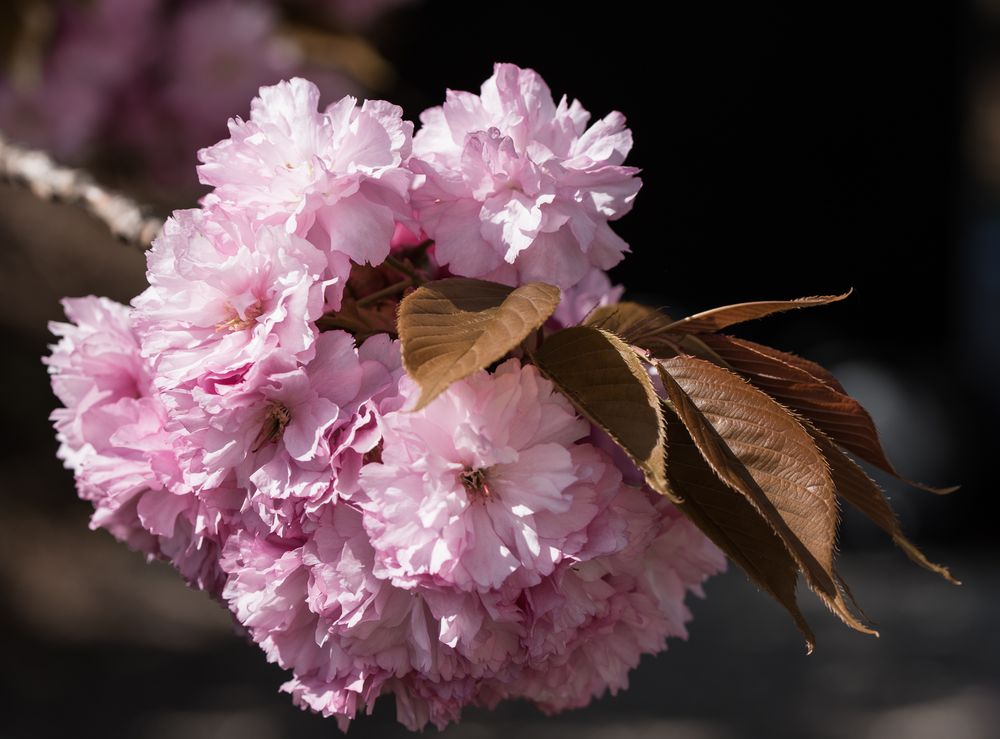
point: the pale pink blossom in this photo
(223, 295)
(594, 620)
(333, 409)
(96, 362)
(317, 610)
(320, 610)
(320, 604)
(484, 484)
(517, 188)
(335, 177)
(295, 435)
(104, 385)
(112, 434)
(593, 291)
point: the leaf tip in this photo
(941, 570)
(918, 557)
(936, 491)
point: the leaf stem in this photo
(400, 266)
(385, 292)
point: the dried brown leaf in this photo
(454, 327)
(609, 385)
(794, 383)
(648, 329)
(815, 369)
(717, 319)
(760, 450)
(729, 520)
(633, 323)
(854, 486)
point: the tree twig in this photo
(129, 221)
(386, 292)
(400, 266)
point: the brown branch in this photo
(386, 292)
(130, 222)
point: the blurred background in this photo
(787, 152)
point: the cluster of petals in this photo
(517, 188)
(486, 487)
(334, 177)
(548, 587)
(112, 432)
(491, 545)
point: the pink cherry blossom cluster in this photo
(487, 546)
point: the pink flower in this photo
(335, 177)
(557, 624)
(484, 484)
(113, 435)
(320, 609)
(294, 435)
(594, 620)
(517, 188)
(96, 362)
(108, 417)
(222, 295)
(317, 610)
(210, 59)
(577, 302)
(332, 407)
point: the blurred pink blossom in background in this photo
(156, 80)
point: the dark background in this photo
(787, 151)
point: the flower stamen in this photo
(236, 322)
(476, 485)
(275, 420)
